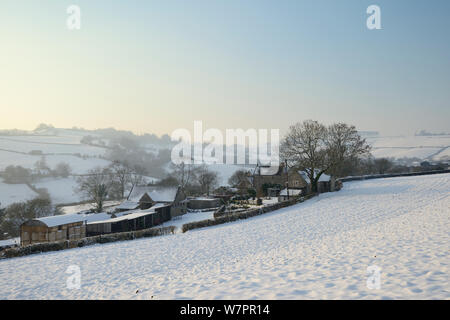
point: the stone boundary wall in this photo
(226, 217)
(392, 175)
(69, 244)
(221, 218)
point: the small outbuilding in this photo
(202, 203)
(54, 228)
(145, 197)
(326, 183)
(293, 193)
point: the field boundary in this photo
(220, 218)
(88, 241)
(227, 217)
(392, 175)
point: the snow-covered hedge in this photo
(68, 244)
(224, 217)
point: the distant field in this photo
(64, 146)
(10, 193)
(422, 147)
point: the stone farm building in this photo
(264, 179)
(145, 197)
(267, 183)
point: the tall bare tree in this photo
(343, 144)
(206, 179)
(304, 146)
(382, 165)
(184, 173)
(121, 175)
(237, 177)
(319, 149)
(96, 185)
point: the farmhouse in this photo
(145, 197)
(266, 183)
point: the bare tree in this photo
(95, 186)
(319, 149)
(382, 165)
(304, 146)
(343, 144)
(237, 177)
(17, 213)
(184, 173)
(62, 169)
(121, 175)
(206, 179)
(137, 176)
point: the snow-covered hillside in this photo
(317, 249)
(422, 147)
(10, 193)
(64, 145)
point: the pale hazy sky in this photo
(154, 66)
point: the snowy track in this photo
(317, 249)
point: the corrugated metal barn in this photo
(131, 222)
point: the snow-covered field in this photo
(422, 147)
(87, 206)
(49, 144)
(63, 145)
(10, 193)
(61, 190)
(317, 249)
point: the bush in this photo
(17, 213)
(16, 174)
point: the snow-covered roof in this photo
(128, 215)
(157, 194)
(323, 178)
(159, 205)
(128, 205)
(292, 192)
(53, 221)
(63, 219)
(204, 199)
